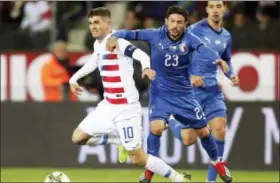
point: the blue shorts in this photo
(186, 110)
(213, 106)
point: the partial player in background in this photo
(204, 79)
(171, 92)
(118, 118)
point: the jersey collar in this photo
(216, 31)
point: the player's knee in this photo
(187, 141)
(203, 132)
(79, 137)
(218, 128)
(78, 141)
(157, 127)
(188, 136)
(219, 131)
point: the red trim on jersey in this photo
(117, 101)
(114, 90)
(110, 67)
(112, 79)
(110, 56)
(46, 15)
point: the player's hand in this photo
(76, 88)
(197, 81)
(235, 80)
(112, 43)
(150, 73)
(223, 64)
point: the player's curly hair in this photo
(175, 9)
(100, 11)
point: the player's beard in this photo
(177, 35)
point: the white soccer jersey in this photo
(116, 70)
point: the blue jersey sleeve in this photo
(227, 57)
(195, 29)
(196, 44)
(142, 35)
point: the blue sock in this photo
(153, 144)
(175, 127)
(212, 174)
(210, 146)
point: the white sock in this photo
(103, 139)
(217, 161)
(158, 166)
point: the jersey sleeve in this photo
(195, 44)
(193, 41)
(195, 29)
(132, 51)
(227, 57)
(142, 34)
(89, 67)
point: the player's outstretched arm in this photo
(89, 67)
(196, 44)
(148, 35)
(133, 52)
(140, 34)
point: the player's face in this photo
(215, 10)
(99, 26)
(176, 25)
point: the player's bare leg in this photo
(208, 141)
(140, 158)
(189, 136)
(218, 127)
(156, 129)
(80, 137)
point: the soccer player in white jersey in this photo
(117, 119)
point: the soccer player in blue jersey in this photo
(206, 88)
(171, 92)
(204, 80)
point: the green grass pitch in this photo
(124, 175)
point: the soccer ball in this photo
(57, 177)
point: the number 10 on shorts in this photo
(128, 133)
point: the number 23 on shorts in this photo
(199, 113)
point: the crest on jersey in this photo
(172, 48)
(183, 47)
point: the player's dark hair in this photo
(101, 11)
(225, 3)
(175, 9)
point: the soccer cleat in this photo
(122, 154)
(186, 176)
(146, 177)
(223, 171)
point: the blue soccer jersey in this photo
(171, 91)
(210, 97)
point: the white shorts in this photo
(124, 118)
